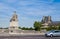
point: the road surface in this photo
(28, 37)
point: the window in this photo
(57, 31)
(13, 19)
(11, 31)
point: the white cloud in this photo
(28, 10)
(5, 9)
(26, 22)
(35, 8)
(10, 1)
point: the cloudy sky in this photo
(28, 11)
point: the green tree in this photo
(51, 28)
(37, 26)
(23, 28)
(31, 28)
(59, 27)
(19, 27)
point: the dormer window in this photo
(13, 19)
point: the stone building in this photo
(46, 20)
(13, 27)
(13, 23)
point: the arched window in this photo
(11, 30)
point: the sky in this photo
(28, 11)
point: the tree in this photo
(19, 27)
(31, 28)
(37, 26)
(25, 28)
(51, 28)
(59, 27)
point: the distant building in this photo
(47, 21)
(13, 27)
(13, 23)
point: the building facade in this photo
(13, 23)
(46, 20)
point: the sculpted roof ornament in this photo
(14, 17)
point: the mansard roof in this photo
(14, 17)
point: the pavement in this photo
(25, 36)
(28, 37)
(20, 34)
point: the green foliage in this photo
(24, 28)
(59, 27)
(31, 28)
(51, 28)
(4, 28)
(37, 26)
(19, 27)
